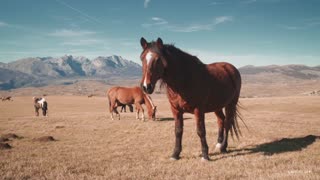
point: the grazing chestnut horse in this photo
(193, 87)
(40, 103)
(119, 96)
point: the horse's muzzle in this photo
(148, 89)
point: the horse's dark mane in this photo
(182, 58)
(170, 49)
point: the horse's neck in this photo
(148, 102)
(180, 76)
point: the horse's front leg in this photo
(139, 107)
(201, 131)
(36, 110)
(117, 113)
(178, 118)
(137, 113)
(142, 116)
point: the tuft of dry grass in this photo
(282, 142)
(4, 146)
(45, 139)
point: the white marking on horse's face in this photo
(149, 57)
(145, 82)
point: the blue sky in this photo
(257, 32)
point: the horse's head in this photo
(153, 64)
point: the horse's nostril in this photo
(149, 88)
(144, 88)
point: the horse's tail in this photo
(232, 110)
(109, 99)
(232, 116)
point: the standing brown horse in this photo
(193, 87)
(40, 103)
(119, 96)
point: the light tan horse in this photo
(119, 96)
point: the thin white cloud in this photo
(215, 3)
(159, 21)
(222, 19)
(249, 1)
(82, 42)
(70, 33)
(3, 24)
(302, 25)
(192, 28)
(240, 60)
(163, 24)
(146, 3)
(291, 27)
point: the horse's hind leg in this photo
(112, 106)
(117, 113)
(220, 121)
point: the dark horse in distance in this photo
(40, 103)
(193, 87)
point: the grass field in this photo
(282, 142)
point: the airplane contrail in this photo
(80, 12)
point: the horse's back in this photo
(225, 72)
(126, 95)
(225, 83)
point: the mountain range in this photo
(41, 71)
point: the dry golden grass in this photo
(88, 145)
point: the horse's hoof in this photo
(223, 150)
(203, 159)
(174, 158)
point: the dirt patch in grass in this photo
(3, 139)
(4, 146)
(11, 136)
(45, 139)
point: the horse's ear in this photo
(143, 43)
(159, 43)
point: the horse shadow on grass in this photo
(170, 119)
(275, 147)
